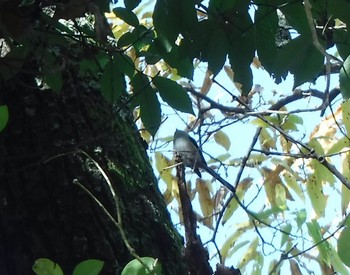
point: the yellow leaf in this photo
(280, 192)
(174, 189)
(345, 106)
(219, 198)
(222, 139)
(168, 196)
(229, 243)
(229, 72)
(285, 144)
(237, 246)
(294, 267)
(272, 178)
(339, 145)
(314, 189)
(255, 159)
(162, 164)
(316, 145)
(267, 142)
(220, 158)
(256, 62)
(146, 136)
(321, 172)
(327, 138)
(233, 205)
(238, 86)
(293, 184)
(207, 83)
(207, 221)
(206, 202)
(259, 122)
(250, 254)
(274, 266)
(327, 127)
(269, 186)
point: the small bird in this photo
(192, 157)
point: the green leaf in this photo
(173, 94)
(55, 81)
(125, 64)
(180, 62)
(266, 24)
(150, 112)
(342, 42)
(339, 9)
(103, 5)
(220, 6)
(140, 83)
(139, 37)
(344, 79)
(345, 192)
(323, 247)
(296, 17)
(168, 25)
(265, 214)
(4, 117)
(146, 98)
(12, 62)
(127, 16)
(345, 109)
(127, 39)
(163, 23)
(111, 82)
(26, 3)
(217, 51)
(314, 189)
(150, 56)
(301, 218)
(43, 266)
(131, 4)
(241, 39)
(88, 65)
(343, 245)
(136, 268)
(301, 58)
(337, 263)
(154, 53)
(88, 267)
(93, 64)
(146, 37)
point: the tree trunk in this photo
(49, 143)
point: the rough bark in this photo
(44, 148)
(43, 214)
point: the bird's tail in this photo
(225, 183)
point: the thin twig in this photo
(118, 223)
(320, 48)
